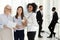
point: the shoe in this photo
(50, 36)
(42, 31)
(40, 36)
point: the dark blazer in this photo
(54, 20)
(55, 17)
(39, 17)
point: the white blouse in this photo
(19, 22)
(32, 24)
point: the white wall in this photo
(47, 4)
(15, 4)
(3, 3)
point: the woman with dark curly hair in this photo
(32, 22)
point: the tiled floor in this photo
(45, 35)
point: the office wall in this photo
(47, 4)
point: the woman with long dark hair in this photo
(21, 22)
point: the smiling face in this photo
(19, 11)
(30, 8)
(7, 10)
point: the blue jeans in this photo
(19, 34)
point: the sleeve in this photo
(37, 17)
(24, 21)
(1, 23)
(11, 24)
(34, 20)
(57, 16)
(13, 19)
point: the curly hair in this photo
(33, 5)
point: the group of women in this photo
(21, 21)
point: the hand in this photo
(14, 28)
(5, 27)
(38, 21)
(24, 22)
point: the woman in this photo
(32, 22)
(5, 29)
(21, 22)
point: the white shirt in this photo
(4, 19)
(19, 22)
(32, 22)
(41, 12)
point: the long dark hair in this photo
(22, 14)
